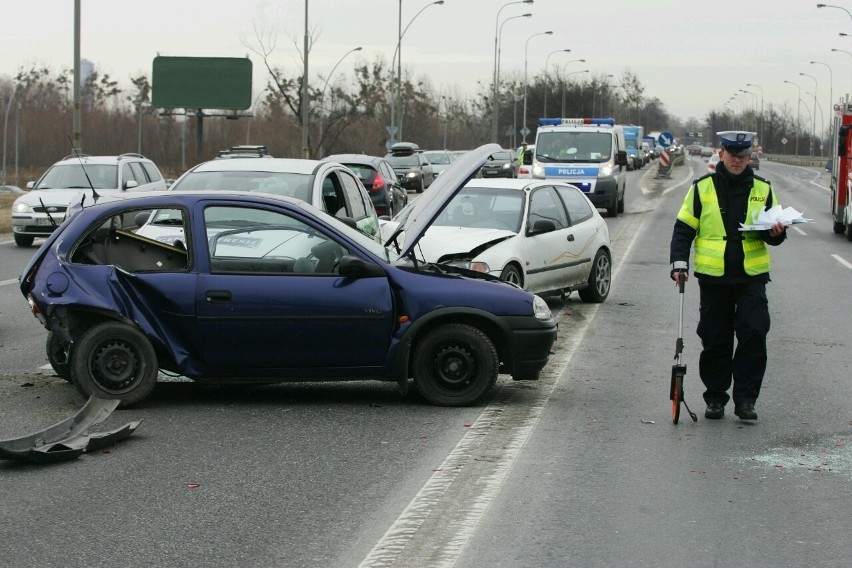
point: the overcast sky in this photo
(691, 55)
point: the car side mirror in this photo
(130, 184)
(621, 158)
(543, 226)
(354, 266)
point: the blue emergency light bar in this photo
(576, 121)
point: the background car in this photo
(711, 163)
(543, 235)
(412, 168)
(11, 189)
(503, 163)
(268, 288)
(379, 179)
(755, 161)
(440, 160)
(38, 212)
(328, 186)
(525, 170)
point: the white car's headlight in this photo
(540, 308)
(538, 171)
(20, 207)
(606, 170)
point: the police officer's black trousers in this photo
(728, 310)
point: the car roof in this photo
(271, 165)
(521, 184)
(353, 158)
(86, 159)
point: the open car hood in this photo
(429, 205)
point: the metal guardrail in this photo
(793, 160)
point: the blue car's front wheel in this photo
(455, 365)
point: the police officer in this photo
(732, 268)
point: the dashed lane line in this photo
(842, 261)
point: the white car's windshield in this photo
(484, 208)
(74, 176)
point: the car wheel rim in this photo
(114, 366)
(513, 278)
(454, 367)
(602, 275)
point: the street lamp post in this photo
(798, 112)
(753, 105)
(830, 102)
(821, 120)
(604, 87)
(494, 87)
(496, 106)
(547, 77)
(322, 96)
(306, 150)
(251, 116)
(5, 128)
(398, 58)
(526, 130)
(562, 80)
(762, 120)
(813, 118)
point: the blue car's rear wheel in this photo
(114, 360)
(56, 356)
(455, 365)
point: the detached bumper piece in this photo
(68, 439)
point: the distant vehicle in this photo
(411, 166)
(755, 161)
(11, 189)
(37, 213)
(711, 163)
(440, 160)
(379, 179)
(501, 164)
(525, 169)
(632, 139)
(695, 149)
(707, 151)
(267, 289)
(513, 229)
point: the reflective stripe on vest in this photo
(710, 242)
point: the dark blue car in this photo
(253, 288)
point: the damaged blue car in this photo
(248, 288)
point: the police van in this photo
(587, 152)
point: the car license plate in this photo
(45, 221)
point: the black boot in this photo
(715, 410)
(745, 411)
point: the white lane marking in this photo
(7, 282)
(798, 230)
(842, 261)
(462, 521)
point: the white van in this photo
(587, 152)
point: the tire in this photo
(513, 275)
(620, 206)
(849, 231)
(56, 356)
(422, 187)
(838, 228)
(455, 365)
(23, 240)
(600, 279)
(676, 395)
(114, 360)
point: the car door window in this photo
(139, 173)
(545, 205)
(576, 203)
(357, 208)
(251, 240)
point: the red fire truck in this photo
(841, 171)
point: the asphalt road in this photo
(582, 468)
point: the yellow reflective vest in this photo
(711, 240)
